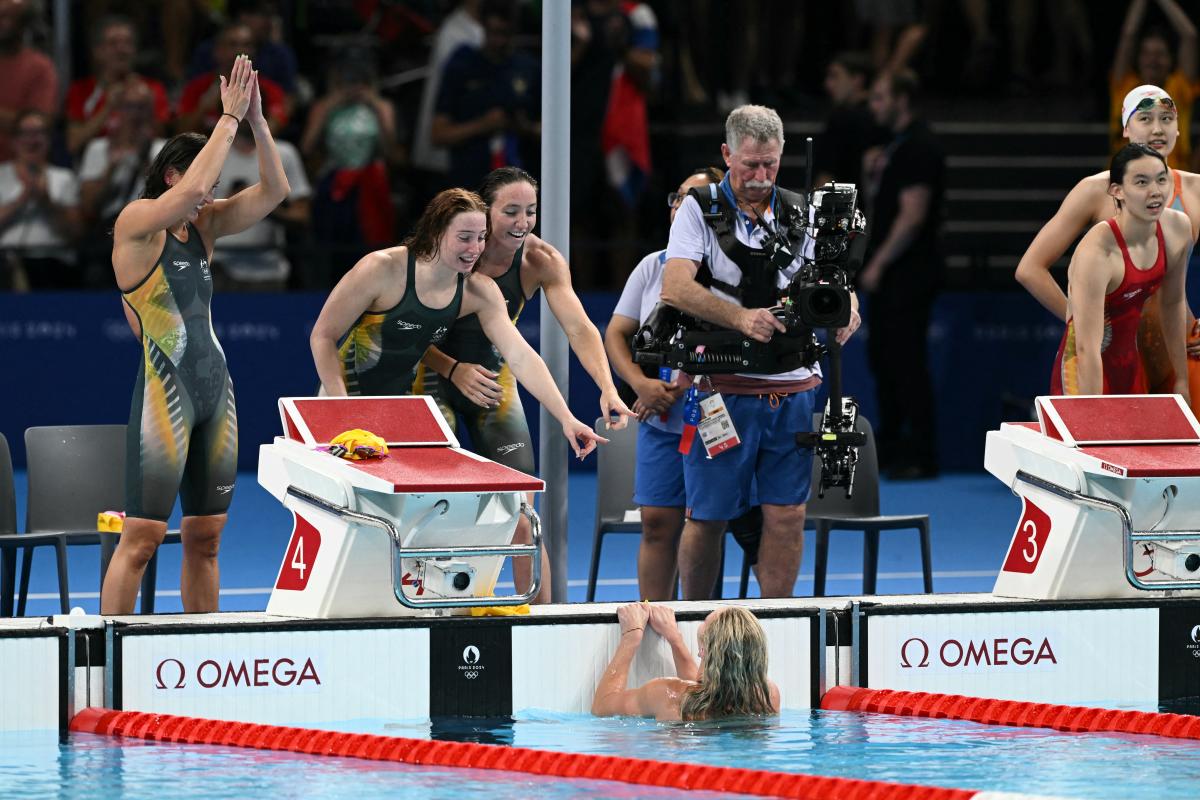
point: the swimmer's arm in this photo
(1033, 272)
(252, 204)
(612, 698)
(1174, 299)
(482, 297)
(143, 218)
(1089, 275)
(555, 277)
(438, 361)
(356, 292)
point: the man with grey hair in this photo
(766, 411)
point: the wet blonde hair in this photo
(733, 672)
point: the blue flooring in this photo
(972, 518)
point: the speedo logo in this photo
(505, 449)
(225, 489)
(181, 264)
(1132, 294)
(408, 326)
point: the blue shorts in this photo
(767, 459)
(658, 479)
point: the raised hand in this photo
(236, 89)
(254, 112)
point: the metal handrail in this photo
(1129, 534)
(399, 551)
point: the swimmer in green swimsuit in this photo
(471, 381)
(182, 433)
(382, 315)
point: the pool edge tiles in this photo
(301, 672)
(33, 663)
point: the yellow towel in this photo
(500, 611)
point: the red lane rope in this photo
(1022, 714)
(192, 730)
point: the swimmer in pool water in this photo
(730, 679)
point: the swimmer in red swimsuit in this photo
(1107, 288)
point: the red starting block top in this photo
(409, 420)
(1117, 419)
(1148, 460)
(441, 469)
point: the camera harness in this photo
(759, 285)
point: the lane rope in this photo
(1017, 713)
(677, 775)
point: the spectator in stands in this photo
(30, 79)
(1150, 60)
(897, 31)
(614, 50)
(255, 259)
(850, 129)
(489, 103)
(39, 208)
(112, 173)
(903, 274)
(200, 104)
(462, 28)
(94, 104)
(351, 134)
(273, 58)
(730, 679)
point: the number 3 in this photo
(1030, 553)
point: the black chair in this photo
(860, 512)
(75, 472)
(615, 510)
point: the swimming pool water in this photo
(877, 747)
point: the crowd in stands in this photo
(378, 104)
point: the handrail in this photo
(399, 551)
(1129, 534)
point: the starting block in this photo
(426, 527)
(1110, 494)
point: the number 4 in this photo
(298, 558)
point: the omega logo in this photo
(994, 652)
(171, 673)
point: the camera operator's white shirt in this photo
(693, 239)
(642, 293)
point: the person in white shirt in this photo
(255, 259)
(39, 210)
(766, 410)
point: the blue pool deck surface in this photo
(972, 519)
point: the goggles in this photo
(1147, 104)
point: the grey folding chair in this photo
(860, 512)
(615, 510)
(75, 472)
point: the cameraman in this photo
(767, 411)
